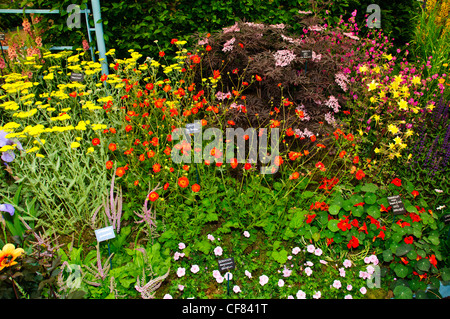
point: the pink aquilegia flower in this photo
(263, 279)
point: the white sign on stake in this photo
(103, 234)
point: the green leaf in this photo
(387, 255)
(280, 256)
(403, 249)
(445, 273)
(423, 264)
(374, 211)
(334, 209)
(369, 187)
(332, 225)
(402, 292)
(370, 198)
(307, 194)
(401, 270)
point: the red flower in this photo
(356, 160)
(161, 53)
(258, 78)
(208, 48)
(173, 41)
(153, 196)
(360, 174)
(233, 162)
(166, 186)
(294, 175)
(112, 147)
(415, 193)
(433, 260)
(96, 141)
(353, 243)
(156, 168)
(183, 182)
(247, 166)
(409, 240)
(195, 188)
(120, 171)
(309, 218)
(109, 164)
(128, 128)
(397, 182)
(320, 166)
(313, 138)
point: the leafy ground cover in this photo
(308, 217)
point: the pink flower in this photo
(181, 246)
(295, 250)
(341, 272)
(308, 271)
(280, 283)
(247, 234)
(318, 252)
(181, 271)
(218, 251)
(310, 248)
(348, 297)
(301, 294)
(363, 290)
(248, 274)
(347, 263)
(228, 276)
(180, 287)
(220, 279)
(337, 284)
(216, 274)
(317, 295)
(349, 287)
(211, 237)
(263, 279)
(373, 259)
(195, 269)
(85, 45)
(236, 289)
(167, 296)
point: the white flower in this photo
(337, 284)
(440, 207)
(347, 263)
(295, 250)
(348, 297)
(216, 274)
(247, 234)
(363, 290)
(211, 237)
(219, 279)
(248, 274)
(317, 295)
(310, 248)
(167, 296)
(181, 246)
(318, 252)
(228, 276)
(308, 271)
(438, 190)
(236, 289)
(280, 283)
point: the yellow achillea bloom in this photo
(74, 145)
(393, 129)
(8, 255)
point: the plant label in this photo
(397, 205)
(79, 77)
(446, 219)
(103, 234)
(306, 54)
(2, 37)
(193, 128)
(226, 264)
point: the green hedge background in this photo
(133, 24)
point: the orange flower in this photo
(306, 152)
(166, 186)
(112, 147)
(156, 168)
(342, 154)
(183, 182)
(109, 164)
(128, 128)
(233, 163)
(320, 166)
(161, 53)
(415, 193)
(258, 78)
(120, 171)
(294, 175)
(356, 160)
(136, 183)
(208, 48)
(195, 188)
(313, 138)
(349, 137)
(278, 161)
(153, 196)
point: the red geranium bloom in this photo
(153, 196)
(96, 141)
(109, 164)
(195, 188)
(208, 48)
(112, 147)
(161, 53)
(397, 182)
(120, 171)
(356, 160)
(247, 166)
(360, 174)
(156, 168)
(128, 128)
(183, 182)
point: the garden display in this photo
(253, 161)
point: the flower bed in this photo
(306, 212)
